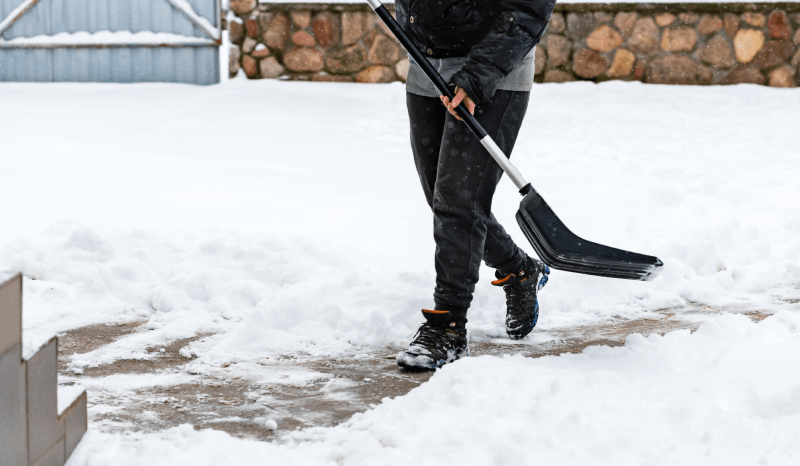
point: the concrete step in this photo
(72, 415)
(54, 456)
(13, 428)
(10, 313)
(36, 427)
(44, 428)
(13, 425)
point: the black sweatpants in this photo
(459, 178)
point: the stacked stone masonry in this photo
(313, 42)
(688, 43)
(36, 429)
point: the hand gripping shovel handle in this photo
(473, 125)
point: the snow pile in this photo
(266, 294)
(327, 244)
(727, 394)
(278, 293)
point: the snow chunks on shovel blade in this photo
(561, 249)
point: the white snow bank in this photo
(727, 394)
(270, 294)
(276, 293)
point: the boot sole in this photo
(437, 365)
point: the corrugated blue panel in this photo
(198, 65)
(207, 9)
(43, 65)
(207, 65)
(142, 65)
(7, 6)
(33, 65)
(71, 65)
(117, 20)
(184, 65)
(50, 17)
(61, 65)
(26, 68)
(96, 15)
(165, 65)
(181, 24)
(121, 66)
(100, 65)
(58, 17)
(140, 16)
(8, 65)
(73, 15)
(161, 15)
(24, 27)
(191, 65)
(81, 64)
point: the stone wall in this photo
(316, 42)
(728, 43)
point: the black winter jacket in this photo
(494, 35)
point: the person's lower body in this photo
(459, 179)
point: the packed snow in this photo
(286, 218)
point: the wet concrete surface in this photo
(238, 399)
(86, 339)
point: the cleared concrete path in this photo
(339, 387)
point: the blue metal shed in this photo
(110, 40)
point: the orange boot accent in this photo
(503, 281)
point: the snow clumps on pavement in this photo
(727, 394)
(271, 293)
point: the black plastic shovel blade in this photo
(562, 249)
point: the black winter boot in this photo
(437, 342)
(522, 289)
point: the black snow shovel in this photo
(555, 244)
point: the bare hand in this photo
(461, 95)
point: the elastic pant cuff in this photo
(457, 315)
(512, 265)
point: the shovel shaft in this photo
(441, 86)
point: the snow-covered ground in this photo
(727, 395)
(286, 217)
